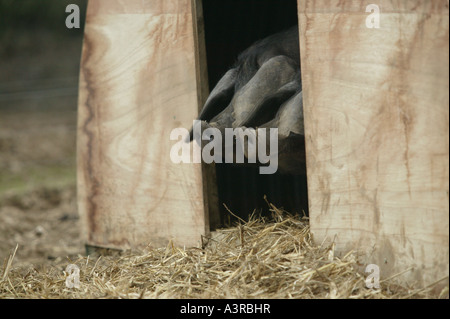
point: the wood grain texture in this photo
(138, 81)
(376, 106)
(210, 189)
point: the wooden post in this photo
(376, 104)
(139, 79)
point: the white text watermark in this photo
(238, 144)
(373, 279)
(73, 279)
(73, 19)
(373, 19)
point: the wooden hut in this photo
(376, 103)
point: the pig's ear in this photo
(261, 97)
(290, 117)
(268, 108)
(220, 97)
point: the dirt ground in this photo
(38, 209)
(38, 102)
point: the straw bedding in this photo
(255, 259)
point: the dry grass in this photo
(256, 259)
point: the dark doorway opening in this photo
(230, 27)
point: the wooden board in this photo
(138, 81)
(376, 105)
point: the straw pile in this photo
(256, 259)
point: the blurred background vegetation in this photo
(36, 13)
(39, 74)
(23, 19)
(39, 70)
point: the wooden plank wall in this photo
(376, 105)
(138, 81)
